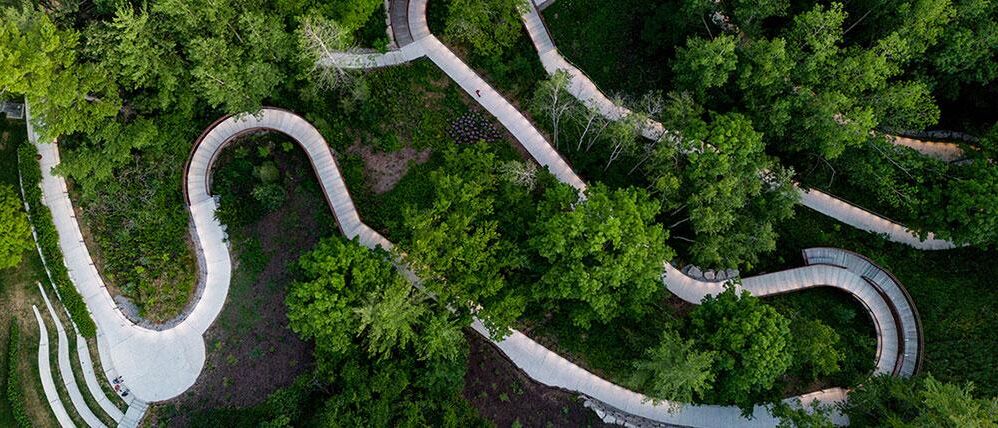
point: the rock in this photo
(695, 272)
(732, 273)
(709, 275)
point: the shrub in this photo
(13, 391)
(48, 241)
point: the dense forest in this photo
(757, 97)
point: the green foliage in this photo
(674, 370)
(369, 324)
(798, 415)
(751, 353)
(830, 330)
(966, 52)
(48, 241)
(922, 402)
(603, 256)
(15, 232)
(271, 196)
(490, 26)
(704, 64)
(353, 14)
(14, 390)
(455, 245)
(815, 347)
(734, 202)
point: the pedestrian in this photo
(478, 92)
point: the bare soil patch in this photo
(251, 349)
(384, 170)
(506, 396)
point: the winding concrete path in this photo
(583, 88)
(160, 364)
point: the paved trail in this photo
(160, 364)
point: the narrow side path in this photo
(66, 369)
(45, 373)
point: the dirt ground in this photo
(384, 170)
(251, 349)
(505, 395)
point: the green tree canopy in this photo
(390, 355)
(704, 64)
(737, 192)
(922, 402)
(673, 370)
(603, 256)
(15, 232)
(455, 245)
(751, 340)
(490, 26)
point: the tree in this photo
(963, 205)
(15, 232)
(552, 100)
(490, 26)
(322, 42)
(704, 64)
(388, 354)
(134, 46)
(751, 341)
(885, 400)
(735, 204)
(602, 256)
(966, 50)
(40, 62)
(673, 370)
(815, 348)
(455, 245)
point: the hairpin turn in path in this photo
(161, 364)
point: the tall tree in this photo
(552, 100)
(455, 245)
(704, 64)
(735, 201)
(603, 256)
(490, 26)
(389, 354)
(673, 370)
(751, 352)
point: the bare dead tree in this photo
(331, 51)
(519, 173)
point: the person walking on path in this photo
(478, 92)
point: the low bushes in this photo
(13, 390)
(48, 241)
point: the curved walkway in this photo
(66, 369)
(45, 373)
(583, 88)
(158, 365)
